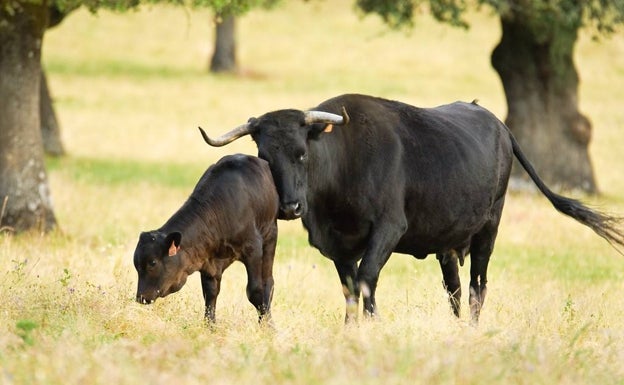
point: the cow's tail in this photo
(606, 225)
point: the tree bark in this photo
(224, 55)
(50, 129)
(541, 86)
(24, 190)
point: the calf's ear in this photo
(173, 241)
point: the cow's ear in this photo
(317, 129)
(173, 242)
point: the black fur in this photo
(398, 178)
(231, 215)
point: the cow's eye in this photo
(303, 157)
(152, 263)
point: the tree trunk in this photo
(24, 193)
(224, 55)
(50, 130)
(541, 83)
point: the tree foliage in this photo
(535, 61)
(229, 7)
(24, 191)
(401, 13)
(603, 16)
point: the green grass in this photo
(116, 172)
(130, 91)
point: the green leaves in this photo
(449, 11)
(604, 15)
(539, 16)
(232, 7)
(394, 13)
(399, 14)
(223, 7)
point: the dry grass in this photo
(130, 90)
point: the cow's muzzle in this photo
(291, 210)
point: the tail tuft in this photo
(605, 225)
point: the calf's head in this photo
(282, 138)
(158, 265)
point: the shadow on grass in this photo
(119, 68)
(124, 171)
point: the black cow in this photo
(397, 178)
(231, 215)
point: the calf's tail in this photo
(603, 224)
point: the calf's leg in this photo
(211, 285)
(268, 256)
(258, 293)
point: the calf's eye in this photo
(152, 263)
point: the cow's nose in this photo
(292, 210)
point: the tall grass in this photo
(130, 90)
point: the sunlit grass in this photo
(130, 91)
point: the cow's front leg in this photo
(211, 285)
(347, 271)
(368, 275)
(382, 243)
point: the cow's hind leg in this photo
(481, 249)
(450, 272)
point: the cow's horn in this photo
(326, 117)
(228, 137)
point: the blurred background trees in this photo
(535, 62)
(24, 190)
(25, 104)
(50, 127)
(223, 57)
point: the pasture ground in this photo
(130, 90)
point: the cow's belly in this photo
(420, 245)
(437, 226)
(339, 238)
(337, 244)
(431, 232)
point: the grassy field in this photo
(130, 91)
